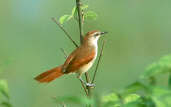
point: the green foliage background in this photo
(139, 34)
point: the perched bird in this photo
(79, 61)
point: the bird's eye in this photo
(96, 34)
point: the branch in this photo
(82, 83)
(88, 87)
(63, 51)
(101, 53)
(80, 20)
(67, 34)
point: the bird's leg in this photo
(87, 84)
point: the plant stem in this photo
(63, 51)
(80, 20)
(88, 81)
(67, 34)
(84, 88)
(101, 53)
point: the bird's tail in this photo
(50, 75)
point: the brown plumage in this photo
(79, 61)
(50, 75)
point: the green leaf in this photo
(162, 102)
(111, 100)
(134, 87)
(90, 15)
(161, 96)
(6, 104)
(64, 18)
(131, 98)
(137, 103)
(160, 91)
(158, 102)
(4, 88)
(111, 97)
(74, 10)
(162, 66)
(140, 102)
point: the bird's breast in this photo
(86, 67)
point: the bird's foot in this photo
(90, 85)
(87, 84)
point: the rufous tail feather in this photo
(50, 75)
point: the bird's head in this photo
(93, 36)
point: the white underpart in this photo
(85, 68)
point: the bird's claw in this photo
(90, 85)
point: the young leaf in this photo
(64, 18)
(90, 15)
(74, 13)
(4, 88)
(74, 10)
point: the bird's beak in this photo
(102, 33)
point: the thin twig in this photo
(82, 83)
(80, 21)
(63, 51)
(89, 88)
(101, 53)
(67, 34)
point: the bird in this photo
(79, 61)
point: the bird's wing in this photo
(69, 60)
(79, 61)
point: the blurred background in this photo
(30, 42)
